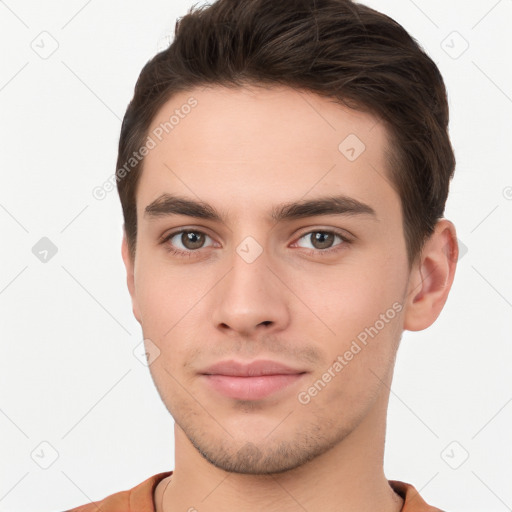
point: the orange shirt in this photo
(140, 498)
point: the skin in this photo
(244, 151)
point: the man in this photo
(283, 169)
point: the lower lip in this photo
(251, 388)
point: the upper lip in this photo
(252, 369)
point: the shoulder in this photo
(413, 502)
(139, 497)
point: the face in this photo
(274, 312)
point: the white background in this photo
(68, 375)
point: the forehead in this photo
(277, 118)
(258, 144)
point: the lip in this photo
(253, 381)
(252, 369)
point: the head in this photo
(304, 146)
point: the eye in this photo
(322, 241)
(185, 241)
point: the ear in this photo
(130, 279)
(431, 277)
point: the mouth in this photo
(253, 381)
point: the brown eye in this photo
(322, 242)
(322, 239)
(186, 241)
(192, 239)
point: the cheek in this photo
(352, 297)
(165, 294)
(158, 302)
(361, 304)
(172, 314)
(366, 319)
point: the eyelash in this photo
(315, 252)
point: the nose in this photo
(251, 299)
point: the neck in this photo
(348, 477)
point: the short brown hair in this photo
(336, 48)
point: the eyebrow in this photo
(170, 204)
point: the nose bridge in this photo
(250, 294)
(250, 273)
(250, 256)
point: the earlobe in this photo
(431, 278)
(130, 276)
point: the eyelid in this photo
(170, 235)
(342, 233)
(173, 232)
(329, 251)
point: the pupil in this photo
(192, 240)
(325, 239)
